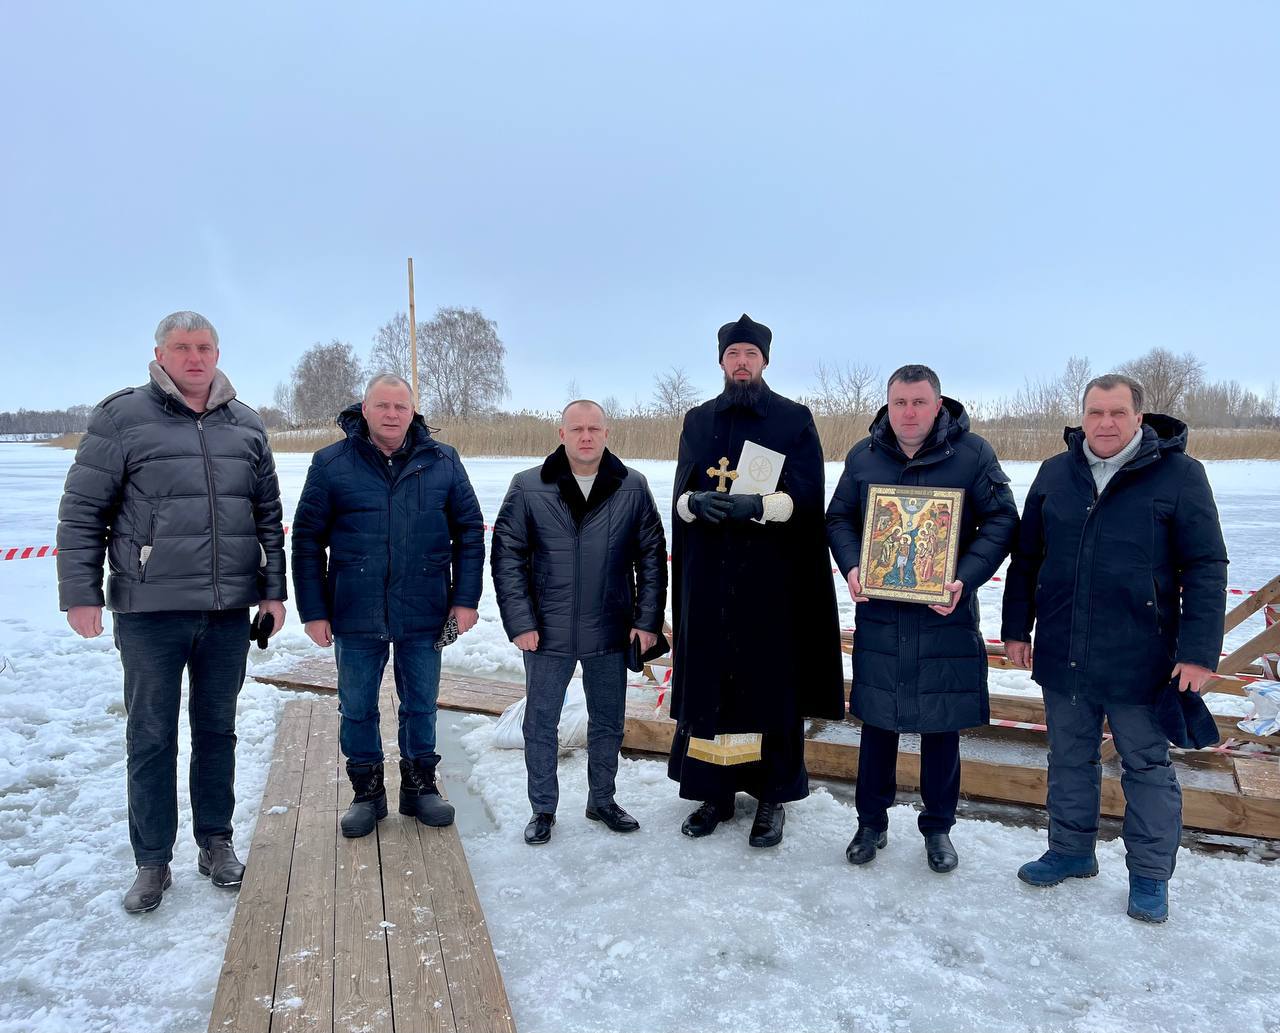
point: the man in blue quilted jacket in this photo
(388, 548)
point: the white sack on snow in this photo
(1265, 697)
(508, 733)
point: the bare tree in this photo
(325, 381)
(1074, 378)
(283, 400)
(461, 360)
(391, 352)
(848, 390)
(612, 407)
(1165, 377)
(572, 392)
(673, 393)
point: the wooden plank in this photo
(420, 995)
(361, 984)
(304, 986)
(1251, 604)
(476, 990)
(246, 986)
(320, 780)
(1259, 777)
(1265, 641)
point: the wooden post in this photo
(413, 339)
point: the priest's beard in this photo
(746, 395)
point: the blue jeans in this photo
(361, 661)
(155, 648)
(604, 680)
(1153, 800)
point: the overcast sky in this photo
(985, 187)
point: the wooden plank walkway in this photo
(382, 934)
(1220, 793)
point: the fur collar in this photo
(609, 478)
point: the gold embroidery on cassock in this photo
(727, 750)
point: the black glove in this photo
(745, 507)
(711, 506)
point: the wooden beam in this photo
(1251, 604)
(247, 984)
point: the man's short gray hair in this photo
(1110, 381)
(386, 378)
(584, 401)
(183, 321)
(913, 373)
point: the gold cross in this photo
(722, 474)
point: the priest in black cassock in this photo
(757, 642)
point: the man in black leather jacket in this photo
(580, 568)
(174, 483)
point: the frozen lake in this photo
(653, 933)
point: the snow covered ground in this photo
(651, 932)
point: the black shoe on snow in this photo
(218, 861)
(766, 830)
(147, 889)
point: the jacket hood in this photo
(356, 427)
(1160, 433)
(220, 389)
(557, 465)
(951, 423)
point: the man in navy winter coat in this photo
(404, 537)
(919, 668)
(580, 569)
(1121, 570)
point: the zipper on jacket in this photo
(213, 511)
(144, 553)
(577, 587)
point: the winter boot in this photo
(1053, 868)
(370, 803)
(419, 796)
(1148, 899)
(147, 889)
(219, 862)
(766, 830)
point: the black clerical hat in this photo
(1185, 718)
(746, 331)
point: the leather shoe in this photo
(613, 816)
(704, 820)
(941, 854)
(218, 861)
(538, 831)
(147, 889)
(766, 830)
(864, 845)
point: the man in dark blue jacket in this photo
(920, 668)
(1121, 569)
(405, 541)
(580, 568)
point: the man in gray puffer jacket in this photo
(580, 569)
(175, 484)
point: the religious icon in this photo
(909, 544)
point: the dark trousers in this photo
(877, 786)
(361, 660)
(604, 681)
(155, 648)
(1153, 799)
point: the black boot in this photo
(538, 831)
(419, 796)
(147, 889)
(704, 820)
(766, 830)
(941, 854)
(218, 861)
(866, 841)
(370, 803)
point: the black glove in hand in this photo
(711, 506)
(745, 507)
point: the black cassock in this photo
(757, 638)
